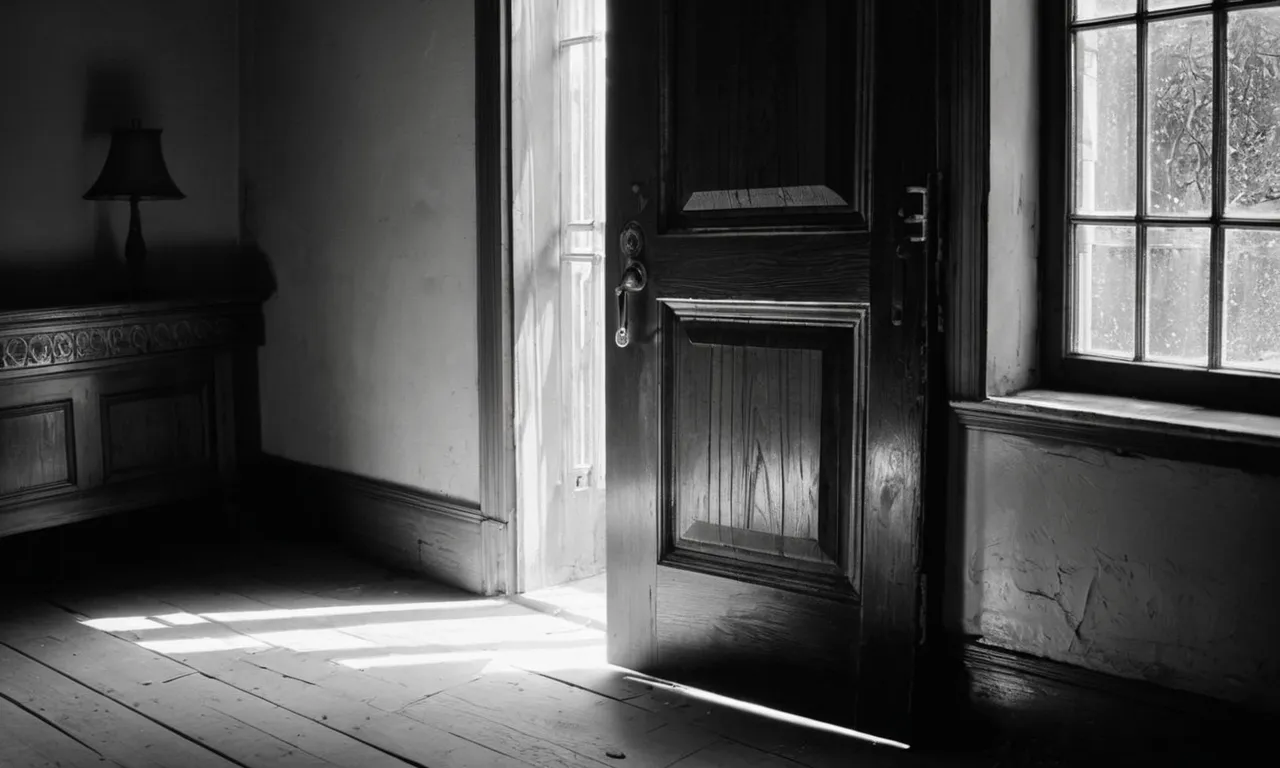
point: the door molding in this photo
(493, 281)
(966, 49)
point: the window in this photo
(1164, 272)
(580, 70)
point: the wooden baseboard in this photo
(401, 527)
(1062, 706)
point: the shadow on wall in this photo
(44, 279)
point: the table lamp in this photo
(135, 171)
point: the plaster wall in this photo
(75, 69)
(1144, 568)
(360, 189)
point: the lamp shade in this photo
(134, 169)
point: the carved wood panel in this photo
(36, 448)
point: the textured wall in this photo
(359, 169)
(73, 70)
(1145, 568)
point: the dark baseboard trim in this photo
(1000, 680)
(441, 537)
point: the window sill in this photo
(1128, 426)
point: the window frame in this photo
(1235, 390)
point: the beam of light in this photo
(271, 614)
(181, 619)
(303, 640)
(552, 659)
(123, 624)
(773, 714)
(473, 631)
(202, 644)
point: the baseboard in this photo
(1015, 691)
(398, 526)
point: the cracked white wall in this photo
(1144, 568)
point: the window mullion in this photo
(1140, 237)
(1217, 244)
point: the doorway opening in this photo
(560, 321)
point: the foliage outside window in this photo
(1174, 225)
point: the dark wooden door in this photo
(766, 413)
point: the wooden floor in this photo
(302, 656)
(305, 657)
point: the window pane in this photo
(1178, 295)
(1180, 116)
(1253, 114)
(1160, 5)
(1252, 306)
(1096, 9)
(1106, 120)
(578, 128)
(581, 17)
(1106, 281)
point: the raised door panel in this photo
(767, 118)
(764, 427)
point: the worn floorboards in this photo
(301, 656)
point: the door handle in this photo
(634, 279)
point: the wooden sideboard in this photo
(119, 407)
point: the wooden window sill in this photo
(1129, 426)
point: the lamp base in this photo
(135, 253)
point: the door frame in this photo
(494, 289)
(964, 138)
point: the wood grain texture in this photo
(748, 429)
(245, 729)
(140, 406)
(766, 645)
(108, 728)
(800, 124)
(27, 741)
(632, 395)
(591, 729)
(36, 448)
(967, 166)
(776, 262)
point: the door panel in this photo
(788, 149)
(765, 418)
(765, 440)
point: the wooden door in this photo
(766, 414)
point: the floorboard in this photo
(108, 728)
(302, 656)
(29, 741)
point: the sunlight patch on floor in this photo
(528, 639)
